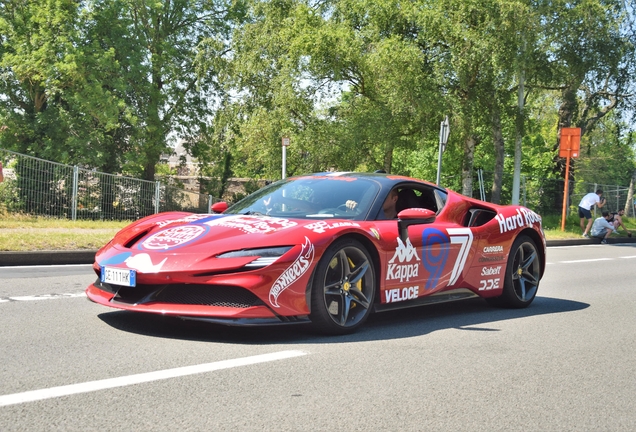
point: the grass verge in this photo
(28, 233)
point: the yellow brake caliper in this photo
(358, 284)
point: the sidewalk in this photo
(88, 256)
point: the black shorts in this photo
(584, 213)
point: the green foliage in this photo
(355, 84)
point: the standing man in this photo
(585, 207)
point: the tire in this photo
(521, 280)
(343, 288)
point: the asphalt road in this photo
(565, 363)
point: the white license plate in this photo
(119, 276)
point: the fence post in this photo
(209, 204)
(157, 196)
(595, 189)
(74, 200)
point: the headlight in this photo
(266, 256)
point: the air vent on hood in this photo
(130, 243)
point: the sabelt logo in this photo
(490, 271)
(293, 272)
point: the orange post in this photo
(569, 147)
(565, 191)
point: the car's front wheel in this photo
(343, 288)
(523, 272)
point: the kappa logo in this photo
(404, 252)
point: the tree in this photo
(55, 102)
(155, 44)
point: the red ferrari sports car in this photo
(326, 248)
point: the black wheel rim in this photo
(348, 286)
(525, 272)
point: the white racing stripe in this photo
(91, 386)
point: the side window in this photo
(418, 197)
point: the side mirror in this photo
(413, 216)
(219, 207)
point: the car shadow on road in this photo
(473, 314)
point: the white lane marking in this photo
(42, 297)
(47, 297)
(590, 260)
(35, 395)
(586, 260)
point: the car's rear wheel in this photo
(343, 288)
(523, 272)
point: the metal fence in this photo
(545, 196)
(39, 187)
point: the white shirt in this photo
(589, 200)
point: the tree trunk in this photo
(630, 205)
(388, 157)
(467, 166)
(498, 142)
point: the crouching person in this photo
(602, 228)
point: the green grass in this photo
(552, 227)
(28, 233)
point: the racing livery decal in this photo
(142, 262)
(490, 271)
(401, 294)
(493, 249)
(293, 272)
(524, 217)
(406, 269)
(253, 224)
(435, 251)
(322, 226)
(188, 219)
(172, 238)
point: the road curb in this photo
(88, 256)
(47, 258)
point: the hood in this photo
(188, 241)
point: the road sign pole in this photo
(443, 139)
(285, 144)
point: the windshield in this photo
(311, 197)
